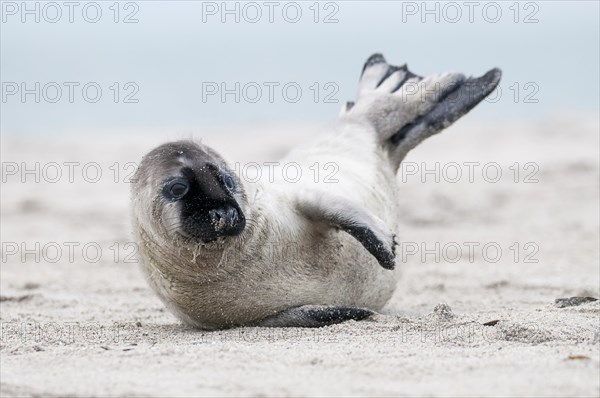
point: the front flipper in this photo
(369, 230)
(314, 316)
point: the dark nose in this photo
(224, 218)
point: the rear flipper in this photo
(314, 316)
(405, 108)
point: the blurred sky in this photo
(176, 48)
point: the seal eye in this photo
(176, 188)
(228, 182)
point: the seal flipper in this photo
(377, 72)
(451, 107)
(341, 213)
(314, 316)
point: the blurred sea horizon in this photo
(179, 66)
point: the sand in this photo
(480, 324)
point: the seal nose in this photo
(224, 218)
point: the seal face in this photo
(205, 195)
(194, 193)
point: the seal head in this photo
(192, 193)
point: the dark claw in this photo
(376, 247)
(387, 260)
(409, 75)
(388, 73)
(374, 59)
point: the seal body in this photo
(282, 259)
(222, 252)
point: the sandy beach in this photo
(484, 257)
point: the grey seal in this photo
(221, 252)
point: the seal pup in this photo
(221, 252)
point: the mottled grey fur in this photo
(311, 254)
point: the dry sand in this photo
(71, 327)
